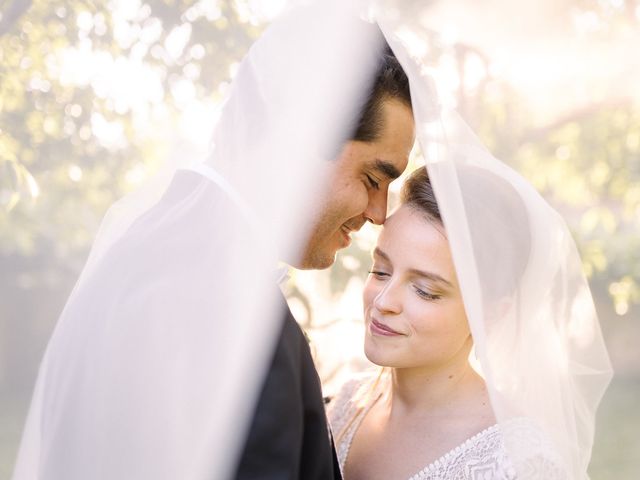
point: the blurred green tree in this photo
(84, 85)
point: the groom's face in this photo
(359, 184)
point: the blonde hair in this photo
(363, 397)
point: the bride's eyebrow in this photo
(434, 277)
(379, 253)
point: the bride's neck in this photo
(415, 390)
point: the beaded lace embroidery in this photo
(481, 457)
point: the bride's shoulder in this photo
(351, 394)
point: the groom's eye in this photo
(372, 183)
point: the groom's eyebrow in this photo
(387, 169)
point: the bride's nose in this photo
(388, 300)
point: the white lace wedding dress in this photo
(481, 457)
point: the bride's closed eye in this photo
(426, 295)
(379, 274)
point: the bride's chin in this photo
(375, 356)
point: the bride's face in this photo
(414, 315)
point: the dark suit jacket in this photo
(289, 437)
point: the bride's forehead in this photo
(408, 228)
(409, 217)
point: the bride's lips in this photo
(377, 328)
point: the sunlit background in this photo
(96, 96)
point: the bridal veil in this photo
(537, 340)
(156, 361)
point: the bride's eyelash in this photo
(426, 295)
(378, 273)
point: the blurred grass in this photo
(13, 411)
(616, 453)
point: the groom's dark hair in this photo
(390, 83)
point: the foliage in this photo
(91, 92)
(73, 137)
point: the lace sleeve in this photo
(341, 407)
(534, 458)
(541, 465)
(344, 411)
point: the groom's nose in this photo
(376, 211)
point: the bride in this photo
(428, 413)
(432, 400)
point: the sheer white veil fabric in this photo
(156, 361)
(536, 334)
(155, 364)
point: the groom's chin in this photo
(316, 259)
(320, 262)
(311, 259)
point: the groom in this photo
(289, 437)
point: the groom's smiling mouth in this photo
(347, 229)
(346, 235)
